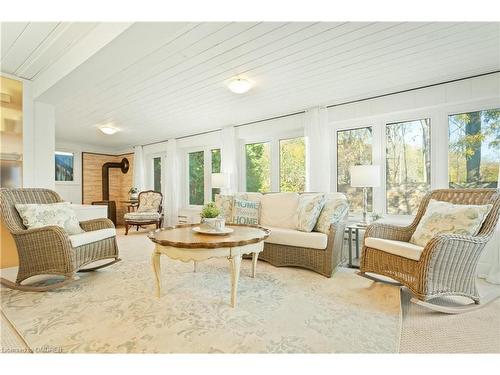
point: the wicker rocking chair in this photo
(446, 266)
(48, 250)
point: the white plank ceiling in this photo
(162, 80)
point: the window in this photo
(292, 164)
(474, 149)
(216, 165)
(157, 173)
(258, 166)
(354, 147)
(408, 162)
(196, 178)
(64, 166)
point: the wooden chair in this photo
(48, 250)
(149, 211)
(447, 265)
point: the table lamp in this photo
(220, 181)
(365, 176)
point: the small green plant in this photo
(209, 211)
(133, 190)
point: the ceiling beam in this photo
(94, 41)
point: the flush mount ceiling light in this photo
(108, 130)
(239, 85)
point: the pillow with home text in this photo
(246, 212)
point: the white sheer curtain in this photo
(228, 159)
(318, 149)
(171, 189)
(139, 179)
(494, 274)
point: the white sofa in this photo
(287, 246)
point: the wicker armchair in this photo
(48, 250)
(447, 264)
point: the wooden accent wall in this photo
(8, 249)
(119, 183)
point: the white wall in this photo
(44, 145)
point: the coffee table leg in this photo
(254, 263)
(155, 260)
(235, 263)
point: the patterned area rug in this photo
(282, 310)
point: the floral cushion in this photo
(141, 216)
(245, 212)
(334, 210)
(225, 204)
(444, 217)
(41, 215)
(149, 202)
(308, 211)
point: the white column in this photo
(171, 189)
(228, 158)
(139, 180)
(43, 146)
(318, 150)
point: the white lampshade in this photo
(220, 180)
(365, 176)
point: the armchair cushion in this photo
(448, 218)
(401, 248)
(40, 215)
(89, 237)
(142, 216)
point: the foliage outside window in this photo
(258, 167)
(157, 173)
(64, 166)
(354, 147)
(408, 162)
(474, 149)
(196, 178)
(292, 164)
(216, 165)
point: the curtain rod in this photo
(335, 105)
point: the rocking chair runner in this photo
(49, 250)
(447, 265)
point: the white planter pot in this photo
(215, 223)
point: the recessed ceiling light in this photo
(108, 130)
(239, 85)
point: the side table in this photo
(351, 230)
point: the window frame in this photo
(451, 110)
(336, 160)
(207, 173)
(384, 175)
(274, 141)
(150, 170)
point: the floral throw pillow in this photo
(225, 204)
(444, 217)
(41, 215)
(308, 211)
(246, 212)
(335, 208)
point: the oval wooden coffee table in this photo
(182, 243)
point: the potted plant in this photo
(210, 219)
(133, 194)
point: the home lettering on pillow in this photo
(246, 212)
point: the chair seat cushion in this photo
(293, 237)
(401, 248)
(93, 236)
(142, 216)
